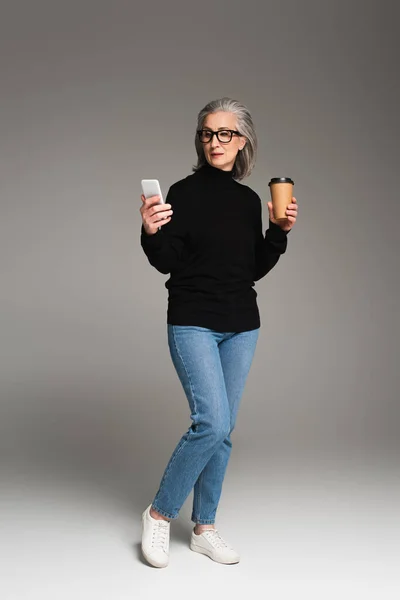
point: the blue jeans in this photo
(213, 369)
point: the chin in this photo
(218, 160)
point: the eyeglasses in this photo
(223, 135)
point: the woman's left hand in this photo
(291, 213)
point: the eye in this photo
(224, 135)
(205, 134)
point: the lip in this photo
(216, 153)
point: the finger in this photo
(159, 207)
(294, 199)
(152, 200)
(159, 216)
(156, 210)
(158, 224)
(162, 222)
(271, 214)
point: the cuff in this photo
(153, 240)
(277, 232)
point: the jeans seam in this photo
(177, 453)
(179, 450)
(186, 371)
(198, 495)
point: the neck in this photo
(215, 172)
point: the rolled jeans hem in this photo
(203, 521)
(163, 512)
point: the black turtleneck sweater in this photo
(214, 249)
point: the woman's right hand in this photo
(154, 215)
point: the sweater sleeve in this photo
(269, 247)
(165, 249)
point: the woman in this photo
(209, 237)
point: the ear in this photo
(242, 143)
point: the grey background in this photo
(97, 95)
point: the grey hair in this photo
(246, 158)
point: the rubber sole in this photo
(152, 563)
(206, 552)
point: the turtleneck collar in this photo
(216, 173)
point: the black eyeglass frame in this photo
(231, 131)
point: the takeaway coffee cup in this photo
(281, 189)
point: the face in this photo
(218, 154)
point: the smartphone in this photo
(151, 187)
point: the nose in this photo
(214, 143)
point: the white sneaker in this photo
(155, 539)
(210, 542)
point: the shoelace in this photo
(215, 538)
(160, 535)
